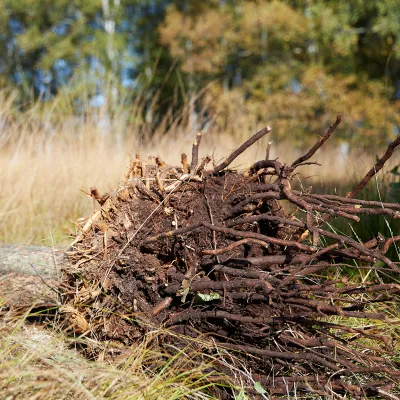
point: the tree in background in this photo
(296, 63)
(292, 63)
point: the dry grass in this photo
(47, 159)
(40, 189)
(43, 364)
(37, 363)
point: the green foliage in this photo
(289, 62)
(198, 43)
(299, 63)
(259, 388)
(71, 31)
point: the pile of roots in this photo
(245, 260)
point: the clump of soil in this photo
(207, 251)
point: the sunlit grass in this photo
(46, 158)
(38, 363)
(40, 189)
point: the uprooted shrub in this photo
(246, 261)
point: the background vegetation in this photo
(83, 84)
(293, 63)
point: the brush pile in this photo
(247, 261)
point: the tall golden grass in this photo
(49, 159)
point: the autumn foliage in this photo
(292, 66)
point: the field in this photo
(50, 161)
(49, 164)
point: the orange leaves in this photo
(197, 41)
(273, 18)
(203, 42)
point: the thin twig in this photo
(44, 281)
(268, 151)
(317, 145)
(184, 163)
(375, 169)
(241, 149)
(214, 235)
(195, 153)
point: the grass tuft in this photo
(38, 363)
